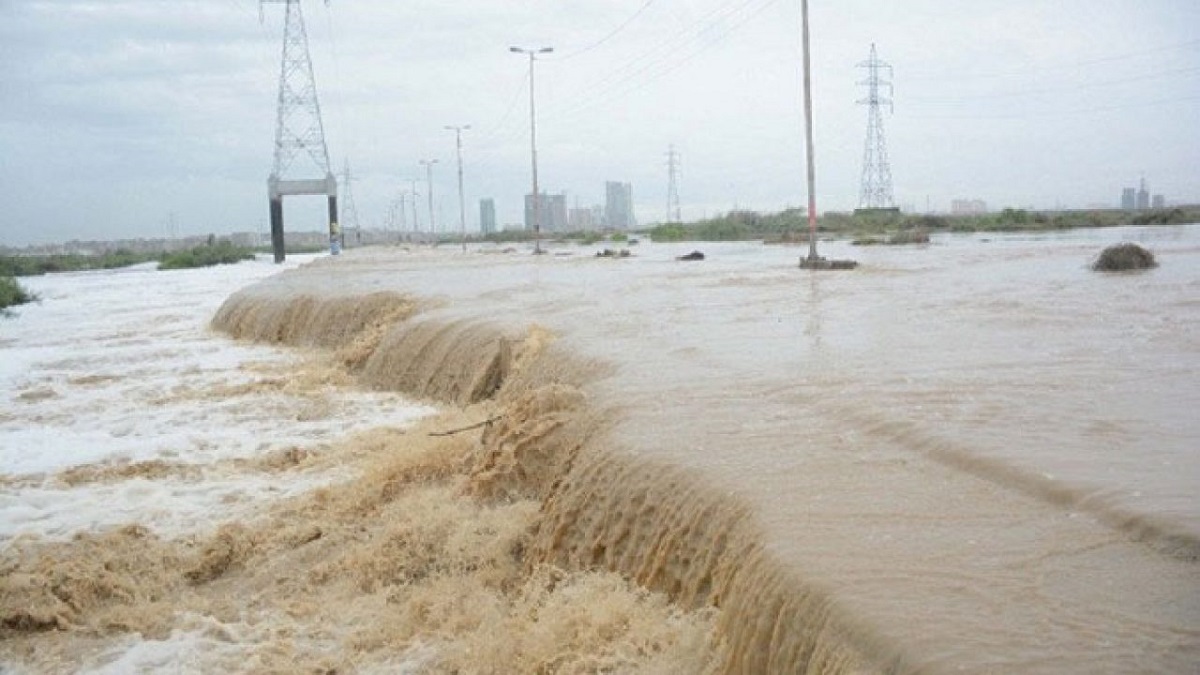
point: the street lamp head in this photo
(545, 50)
(516, 50)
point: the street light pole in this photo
(462, 207)
(416, 220)
(428, 164)
(537, 199)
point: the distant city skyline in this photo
(146, 117)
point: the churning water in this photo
(975, 455)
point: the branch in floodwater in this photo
(451, 432)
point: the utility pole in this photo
(808, 141)
(428, 164)
(400, 215)
(414, 195)
(876, 191)
(462, 208)
(537, 198)
(673, 186)
(813, 261)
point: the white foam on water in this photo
(116, 367)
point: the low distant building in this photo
(968, 207)
(552, 212)
(580, 219)
(487, 215)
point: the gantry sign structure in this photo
(301, 157)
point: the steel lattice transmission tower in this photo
(301, 157)
(673, 214)
(876, 191)
(349, 211)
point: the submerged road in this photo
(981, 451)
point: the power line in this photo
(625, 24)
(689, 44)
(1069, 87)
(1023, 72)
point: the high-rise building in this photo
(487, 215)
(552, 212)
(1158, 202)
(618, 206)
(1129, 199)
(1143, 197)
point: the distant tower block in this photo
(673, 213)
(301, 157)
(876, 191)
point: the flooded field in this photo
(976, 455)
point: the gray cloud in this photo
(115, 114)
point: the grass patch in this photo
(889, 227)
(36, 265)
(218, 253)
(12, 294)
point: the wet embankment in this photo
(602, 507)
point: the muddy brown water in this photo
(976, 455)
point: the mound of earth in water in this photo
(1124, 258)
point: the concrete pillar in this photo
(277, 228)
(335, 230)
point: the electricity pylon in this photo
(301, 164)
(349, 210)
(876, 191)
(673, 215)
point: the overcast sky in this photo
(119, 117)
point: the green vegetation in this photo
(214, 253)
(11, 294)
(880, 227)
(1123, 258)
(669, 232)
(35, 265)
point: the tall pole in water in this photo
(808, 137)
(462, 208)
(428, 164)
(537, 199)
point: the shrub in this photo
(11, 293)
(218, 253)
(1124, 257)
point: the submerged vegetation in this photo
(213, 253)
(12, 294)
(1124, 258)
(36, 265)
(878, 227)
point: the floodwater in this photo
(976, 455)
